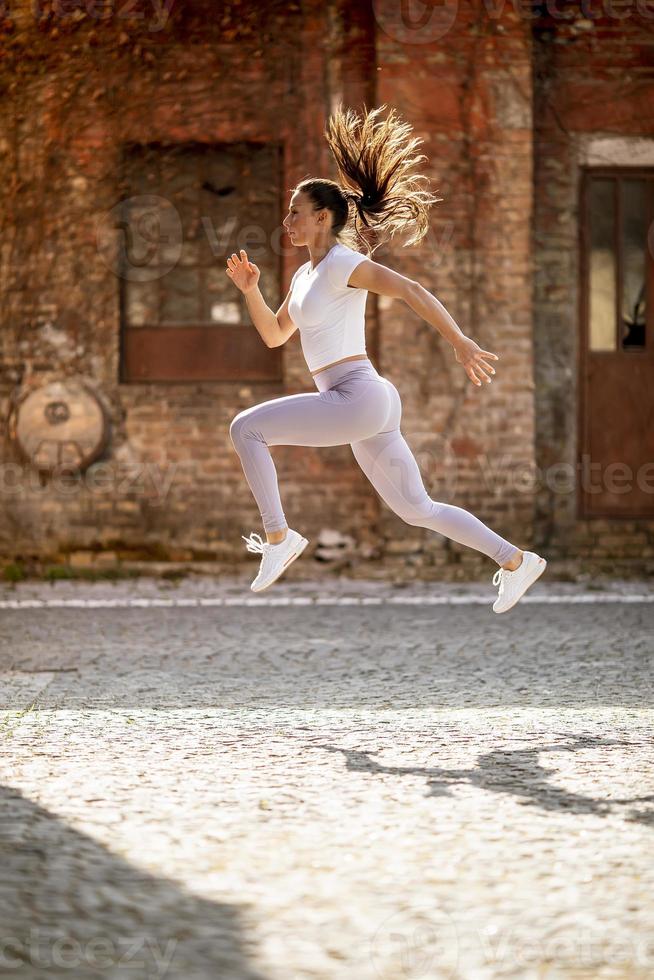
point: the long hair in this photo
(380, 197)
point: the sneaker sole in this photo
(536, 573)
(291, 558)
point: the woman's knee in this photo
(238, 427)
(415, 520)
(423, 514)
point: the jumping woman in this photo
(326, 301)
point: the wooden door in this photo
(616, 383)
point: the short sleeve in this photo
(342, 263)
(296, 274)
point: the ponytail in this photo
(374, 159)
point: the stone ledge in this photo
(392, 569)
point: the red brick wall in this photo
(466, 87)
(265, 75)
(592, 78)
(73, 89)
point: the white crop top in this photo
(330, 315)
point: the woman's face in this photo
(303, 224)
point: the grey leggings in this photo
(354, 405)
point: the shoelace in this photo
(499, 579)
(255, 544)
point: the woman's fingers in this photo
(478, 366)
(480, 358)
(474, 362)
(236, 264)
(239, 260)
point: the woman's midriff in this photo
(354, 357)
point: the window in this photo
(616, 363)
(616, 236)
(185, 208)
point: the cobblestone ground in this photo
(381, 789)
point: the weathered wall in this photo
(465, 82)
(264, 74)
(500, 256)
(594, 104)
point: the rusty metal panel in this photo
(620, 436)
(232, 352)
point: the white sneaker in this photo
(513, 585)
(276, 557)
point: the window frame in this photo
(616, 172)
(199, 352)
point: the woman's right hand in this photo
(473, 358)
(242, 272)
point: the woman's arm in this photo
(274, 328)
(262, 316)
(380, 279)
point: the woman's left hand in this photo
(473, 358)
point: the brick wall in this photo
(594, 83)
(468, 94)
(75, 88)
(264, 74)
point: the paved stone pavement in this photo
(332, 790)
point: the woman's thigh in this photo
(387, 461)
(326, 418)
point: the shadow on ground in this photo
(516, 772)
(71, 907)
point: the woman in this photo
(326, 302)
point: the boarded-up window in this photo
(185, 208)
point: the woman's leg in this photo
(389, 464)
(336, 417)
